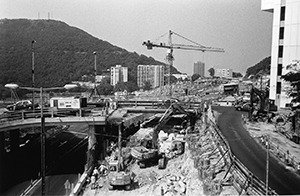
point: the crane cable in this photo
(159, 37)
(189, 40)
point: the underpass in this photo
(65, 159)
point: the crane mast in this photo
(170, 46)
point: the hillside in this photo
(62, 53)
(263, 67)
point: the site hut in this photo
(73, 104)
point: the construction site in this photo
(183, 152)
(189, 159)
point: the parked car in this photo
(243, 107)
(21, 105)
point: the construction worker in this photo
(205, 106)
(102, 169)
(95, 173)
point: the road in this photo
(65, 165)
(252, 155)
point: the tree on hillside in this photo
(294, 78)
(105, 88)
(147, 86)
(211, 72)
(173, 79)
(262, 67)
(128, 86)
(63, 54)
(195, 77)
(236, 75)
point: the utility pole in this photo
(170, 59)
(120, 161)
(95, 69)
(267, 165)
(43, 150)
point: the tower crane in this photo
(170, 46)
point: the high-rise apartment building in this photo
(118, 74)
(152, 73)
(285, 45)
(199, 68)
(223, 73)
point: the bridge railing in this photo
(26, 114)
(155, 104)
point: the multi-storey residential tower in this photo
(199, 68)
(152, 73)
(224, 73)
(285, 44)
(118, 74)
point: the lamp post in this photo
(43, 152)
(95, 69)
(95, 91)
(32, 69)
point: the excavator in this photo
(149, 152)
(264, 106)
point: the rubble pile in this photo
(195, 165)
(172, 185)
(207, 154)
(146, 178)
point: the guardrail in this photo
(242, 179)
(236, 174)
(281, 154)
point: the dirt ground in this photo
(179, 178)
(278, 140)
(151, 180)
(180, 170)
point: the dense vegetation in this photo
(261, 68)
(293, 77)
(62, 54)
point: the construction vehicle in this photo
(171, 46)
(149, 152)
(260, 104)
(118, 175)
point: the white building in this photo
(152, 73)
(118, 74)
(223, 73)
(285, 44)
(199, 68)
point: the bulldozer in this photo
(148, 152)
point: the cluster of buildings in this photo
(199, 68)
(285, 51)
(285, 45)
(154, 74)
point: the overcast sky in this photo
(238, 26)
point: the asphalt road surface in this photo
(252, 155)
(64, 166)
